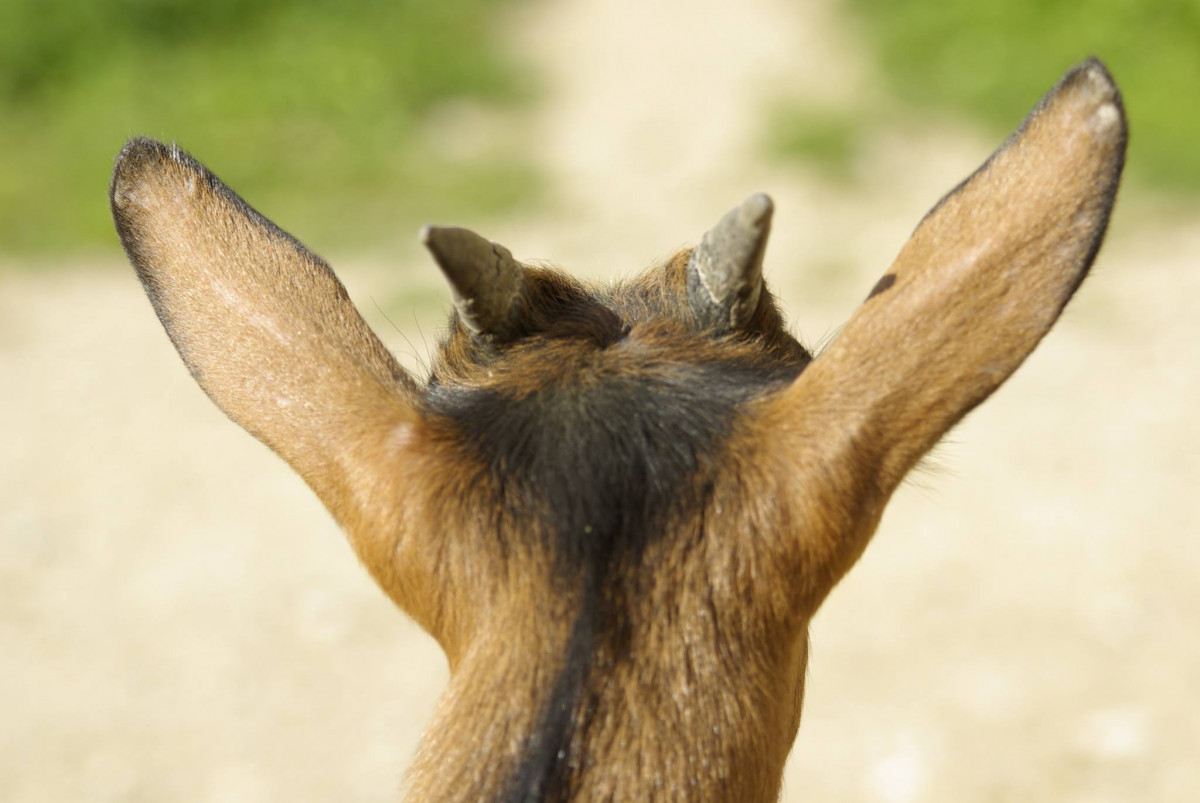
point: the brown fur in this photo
(675, 641)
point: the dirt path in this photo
(179, 619)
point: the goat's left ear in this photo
(264, 326)
(983, 278)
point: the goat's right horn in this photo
(484, 277)
(725, 272)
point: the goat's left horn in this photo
(725, 272)
(484, 277)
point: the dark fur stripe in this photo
(601, 465)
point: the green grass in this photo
(826, 139)
(994, 60)
(317, 111)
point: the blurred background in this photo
(180, 619)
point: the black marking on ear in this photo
(885, 281)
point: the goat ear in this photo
(262, 323)
(983, 278)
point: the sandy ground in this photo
(181, 621)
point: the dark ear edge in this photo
(262, 323)
(142, 155)
(1084, 71)
(983, 278)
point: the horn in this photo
(725, 272)
(484, 277)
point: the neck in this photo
(683, 723)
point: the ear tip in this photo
(141, 158)
(138, 154)
(1092, 81)
(1093, 69)
(141, 147)
(1098, 80)
(1092, 86)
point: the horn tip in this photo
(451, 247)
(758, 208)
(430, 235)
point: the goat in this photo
(618, 507)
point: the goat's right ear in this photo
(983, 278)
(264, 326)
